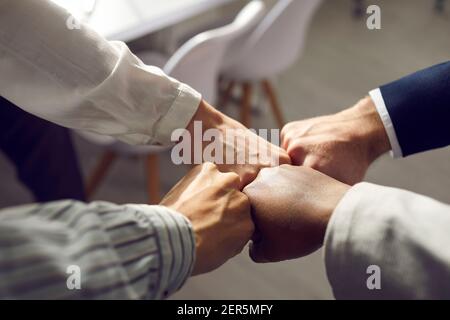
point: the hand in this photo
(342, 145)
(291, 209)
(241, 143)
(218, 211)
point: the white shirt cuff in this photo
(378, 100)
(179, 114)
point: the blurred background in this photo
(340, 62)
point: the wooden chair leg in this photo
(99, 172)
(226, 95)
(270, 93)
(153, 181)
(246, 104)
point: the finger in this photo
(256, 252)
(278, 157)
(298, 153)
(231, 180)
(243, 203)
(285, 135)
(248, 175)
(209, 167)
(285, 140)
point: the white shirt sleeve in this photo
(378, 100)
(79, 80)
(402, 234)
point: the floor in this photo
(343, 60)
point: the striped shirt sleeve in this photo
(72, 250)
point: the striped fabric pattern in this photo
(122, 251)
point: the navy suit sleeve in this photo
(419, 107)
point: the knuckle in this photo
(286, 129)
(313, 163)
(249, 175)
(250, 229)
(266, 172)
(286, 138)
(284, 159)
(297, 151)
(242, 200)
(210, 166)
(231, 179)
(299, 145)
(259, 253)
(248, 188)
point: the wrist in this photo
(337, 193)
(371, 129)
(208, 116)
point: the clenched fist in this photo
(240, 142)
(342, 145)
(218, 211)
(291, 209)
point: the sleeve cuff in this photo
(177, 249)
(179, 115)
(378, 100)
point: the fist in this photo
(291, 209)
(243, 152)
(218, 211)
(342, 145)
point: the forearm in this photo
(79, 80)
(402, 233)
(122, 252)
(369, 128)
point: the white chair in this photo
(272, 48)
(198, 63)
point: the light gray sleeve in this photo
(115, 251)
(405, 236)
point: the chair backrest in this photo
(277, 42)
(198, 62)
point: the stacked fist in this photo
(284, 208)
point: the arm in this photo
(78, 79)
(415, 110)
(406, 116)
(403, 233)
(124, 252)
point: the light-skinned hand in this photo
(218, 211)
(342, 145)
(252, 146)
